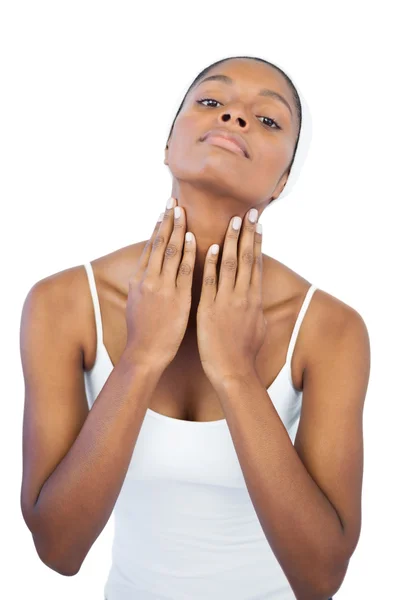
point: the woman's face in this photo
(267, 125)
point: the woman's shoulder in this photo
(282, 286)
(69, 291)
(113, 270)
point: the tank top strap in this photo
(96, 303)
(299, 320)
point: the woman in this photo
(165, 382)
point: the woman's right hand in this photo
(160, 293)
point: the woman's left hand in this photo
(230, 321)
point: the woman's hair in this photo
(295, 95)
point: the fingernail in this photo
(236, 223)
(259, 227)
(177, 212)
(170, 202)
(253, 215)
(160, 218)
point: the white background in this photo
(88, 93)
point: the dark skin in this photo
(184, 391)
(312, 487)
(209, 184)
(212, 184)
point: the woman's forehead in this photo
(247, 71)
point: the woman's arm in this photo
(74, 460)
(307, 495)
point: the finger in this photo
(245, 255)
(144, 257)
(257, 271)
(209, 285)
(228, 268)
(161, 240)
(184, 279)
(173, 252)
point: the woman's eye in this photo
(207, 99)
(277, 126)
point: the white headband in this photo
(302, 146)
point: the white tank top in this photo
(184, 524)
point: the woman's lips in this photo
(217, 140)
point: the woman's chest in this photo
(183, 390)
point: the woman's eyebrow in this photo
(262, 92)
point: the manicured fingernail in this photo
(188, 236)
(160, 218)
(177, 212)
(170, 203)
(253, 215)
(214, 249)
(236, 223)
(259, 228)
